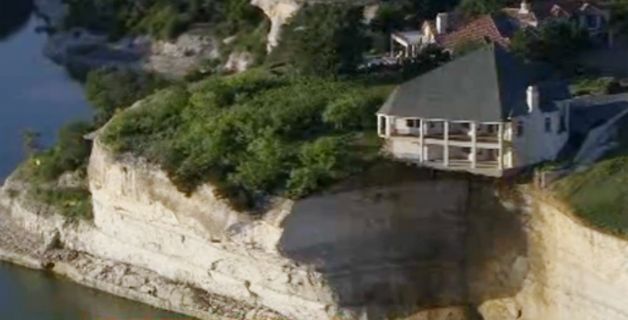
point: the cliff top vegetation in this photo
(254, 134)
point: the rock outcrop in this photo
(278, 12)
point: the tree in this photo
(479, 7)
(390, 16)
(619, 16)
(322, 161)
(324, 39)
(110, 89)
(14, 15)
(30, 142)
(553, 42)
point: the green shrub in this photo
(160, 18)
(596, 86)
(72, 203)
(69, 154)
(44, 168)
(162, 21)
(354, 111)
(480, 7)
(321, 162)
(264, 166)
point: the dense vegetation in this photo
(14, 14)
(111, 89)
(594, 86)
(254, 134)
(57, 176)
(160, 18)
(401, 14)
(554, 42)
(324, 39)
(44, 168)
(598, 194)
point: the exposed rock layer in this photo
(405, 245)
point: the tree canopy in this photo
(324, 40)
(14, 14)
(110, 89)
(480, 7)
(553, 42)
(252, 134)
(159, 18)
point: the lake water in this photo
(38, 95)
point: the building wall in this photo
(535, 144)
(400, 125)
(405, 148)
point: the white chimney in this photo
(525, 7)
(532, 98)
(441, 23)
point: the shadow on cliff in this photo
(400, 240)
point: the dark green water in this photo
(36, 94)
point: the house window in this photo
(520, 128)
(592, 21)
(413, 123)
(548, 124)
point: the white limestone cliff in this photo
(431, 248)
(278, 12)
(575, 272)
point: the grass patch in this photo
(72, 203)
(598, 194)
(594, 86)
(254, 134)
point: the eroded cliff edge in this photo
(404, 244)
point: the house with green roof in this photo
(480, 113)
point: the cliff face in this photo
(405, 246)
(402, 244)
(401, 247)
(575, 272)
(145, 221)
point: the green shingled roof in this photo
(488, 84)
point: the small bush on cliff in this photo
(252, 134)
(72, 203)
(44, 168)
(69, 154)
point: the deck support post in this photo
(389, 125)
(500, 141)
(422, 140)
(446, 144)
(474, 145)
